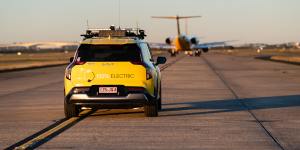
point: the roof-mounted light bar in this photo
(113, 32)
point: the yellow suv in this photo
(113, 68)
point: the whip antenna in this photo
(87, 24)
(119, 14)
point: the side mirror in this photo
(161, 60)
(71, 59)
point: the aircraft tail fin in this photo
(177, 19)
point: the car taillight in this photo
(148, 74)
(68, 74)
(79, 62)
(81, 90)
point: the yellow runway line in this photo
(54, 130)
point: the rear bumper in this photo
(134, 99)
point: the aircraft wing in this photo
(210, 45)
(162, 46)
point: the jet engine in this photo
(169, 41)
(194, 40)
(205, 50)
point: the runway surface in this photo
(214, 101)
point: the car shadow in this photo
(231, 105)
(114, 112)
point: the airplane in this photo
(186, 43)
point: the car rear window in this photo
(126, 52)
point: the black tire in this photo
(151, 109)
(159, 104)
(71, 110)
(159, 107)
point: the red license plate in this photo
(108, 90)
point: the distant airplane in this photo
(187, 43)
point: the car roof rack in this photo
(115, 32)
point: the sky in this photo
(248, 21)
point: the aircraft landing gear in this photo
(173, 53)
(197, 53)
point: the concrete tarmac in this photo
(210, 102)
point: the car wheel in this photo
(71, 110)
(159, 101)
(151, 109)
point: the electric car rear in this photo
(113, 69)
